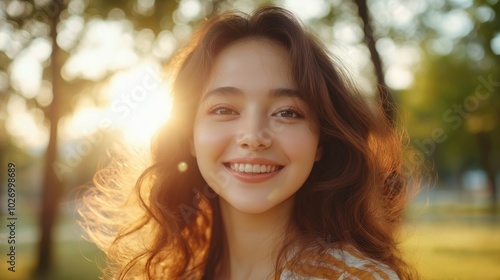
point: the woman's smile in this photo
(253, 170)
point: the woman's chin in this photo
(253, 205)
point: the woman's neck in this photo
(252, 241)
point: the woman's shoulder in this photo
(334, 263)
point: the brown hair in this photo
(358, 187)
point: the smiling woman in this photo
(271, 166)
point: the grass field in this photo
(444, 247)
(455, 250)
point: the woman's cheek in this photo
(211, 140)
(297, 139)
(212, 129)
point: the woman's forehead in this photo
(251, 63)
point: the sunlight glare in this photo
(398, 77)
(26, 126)
(307, 9)
(105, 46)
(495, 44)
(190, 9)
(27, 69)
(455, 24)
(140, 103)
(84, 120)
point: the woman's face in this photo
(254, 138)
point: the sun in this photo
(145, 121)
(140, 103)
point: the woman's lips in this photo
(252, 173)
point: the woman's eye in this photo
(289, 113)
(223, 111)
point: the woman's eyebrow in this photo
(275, 93)
(285, 92)
(222, 91)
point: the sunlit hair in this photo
(168, 224)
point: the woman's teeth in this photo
(252, 168)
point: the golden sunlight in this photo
(140, 103)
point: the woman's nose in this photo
(254, 135)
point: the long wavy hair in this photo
(161, 220)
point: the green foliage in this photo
(457, 93)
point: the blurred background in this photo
(78, 75)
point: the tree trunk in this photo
(52, 187)
(386, 100)
(485, 148)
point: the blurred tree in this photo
(52, 186)
(454, 103)
(385, 98)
